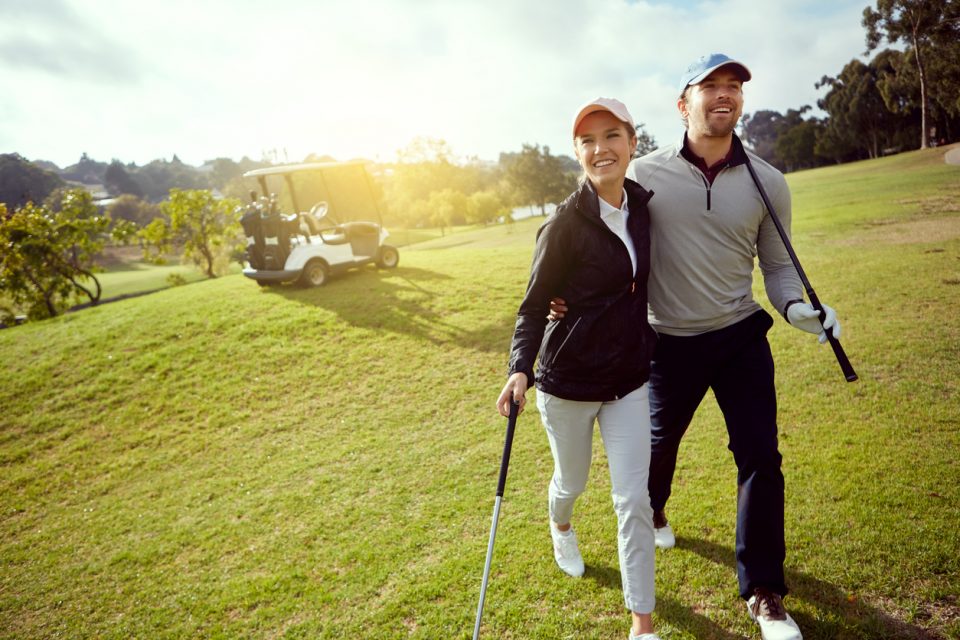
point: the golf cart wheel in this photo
(315, 274)
(263, 283)
(388, 257)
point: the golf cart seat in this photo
(364, 237)
(314, 225)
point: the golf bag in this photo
(250, 221)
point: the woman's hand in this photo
(514, 391)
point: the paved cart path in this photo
(952, 156)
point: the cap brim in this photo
(593, 108)
(741, 71)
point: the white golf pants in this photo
(625, 430)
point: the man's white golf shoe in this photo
(775, 623)
(662, 532)
(566, 551)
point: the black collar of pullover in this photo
(735, 157)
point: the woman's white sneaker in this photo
(566, 551)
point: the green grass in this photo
(129, 275)
(225, 461)
(140, 277)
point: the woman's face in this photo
(604, 148)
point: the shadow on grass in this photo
(395, 300)
(866, 621)
(676, 613)
(859, 618)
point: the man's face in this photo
(713, 107)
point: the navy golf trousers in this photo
(737, 364)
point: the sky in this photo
(140, 80)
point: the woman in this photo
(594, 362)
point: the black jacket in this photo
(601, 349)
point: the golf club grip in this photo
(838, 351)
(507, 446)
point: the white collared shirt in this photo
(616, 221)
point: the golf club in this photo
(504, 462)
(845, 365)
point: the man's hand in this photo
(803, 316)
(558, 309)
(515, 390)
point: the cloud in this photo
(235, 77)
(49, 36)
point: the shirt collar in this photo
(606, 208)
(735, 157)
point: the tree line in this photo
(52, 230)
(898, 100)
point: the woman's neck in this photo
(612, 194)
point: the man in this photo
(708, 222)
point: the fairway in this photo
(224, 461)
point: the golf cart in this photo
(337, 233)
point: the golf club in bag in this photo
(504, 462)
(838, 351)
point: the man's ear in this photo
(682, 106)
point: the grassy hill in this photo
(224, 461)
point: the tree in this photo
(796, 140)
(426, 167)
(157, 240)
(920, 23)
(447, 207)
(21, 181)
(536, 177)
(118, 181)
(760, 132)
(860, 121)
(133, 209)
(207, 228)
(899, 83)
(124, 232)
(484, 207)
(85, 171)
(157, 178)
(48, 252)
(645, 142)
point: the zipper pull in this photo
(633, 286)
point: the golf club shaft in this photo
(501, 484)
(486, 566)
(838, 351)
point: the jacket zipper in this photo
(706, 184)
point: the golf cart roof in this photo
(294, 168)
(345, 186)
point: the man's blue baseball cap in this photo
(705, 65)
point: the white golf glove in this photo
(803, 316)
